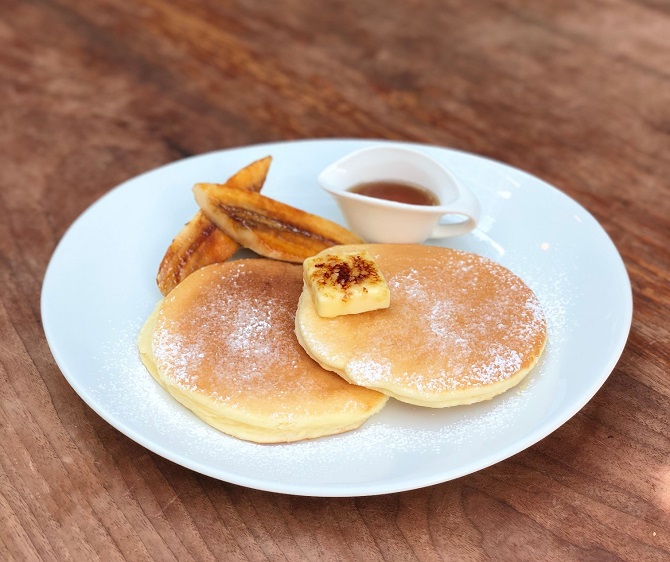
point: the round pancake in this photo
(223, 344)
(460, 329)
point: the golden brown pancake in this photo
(460, 329)
(223, 344)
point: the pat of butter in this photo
(345, 283)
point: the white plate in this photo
(99, 288)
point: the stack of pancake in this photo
(240, 343)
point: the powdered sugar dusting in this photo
(410, 283)
(236, 339)
(251, 331)
(371, 369)
(132, 395)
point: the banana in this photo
(200, 242)
(345, 282)
(268, 227)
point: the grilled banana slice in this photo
(268, 227)
(200, 242)
(251, 177)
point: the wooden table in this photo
(93, 93)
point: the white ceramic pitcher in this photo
(381, 220)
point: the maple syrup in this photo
(396, 191)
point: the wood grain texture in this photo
(93, 93)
